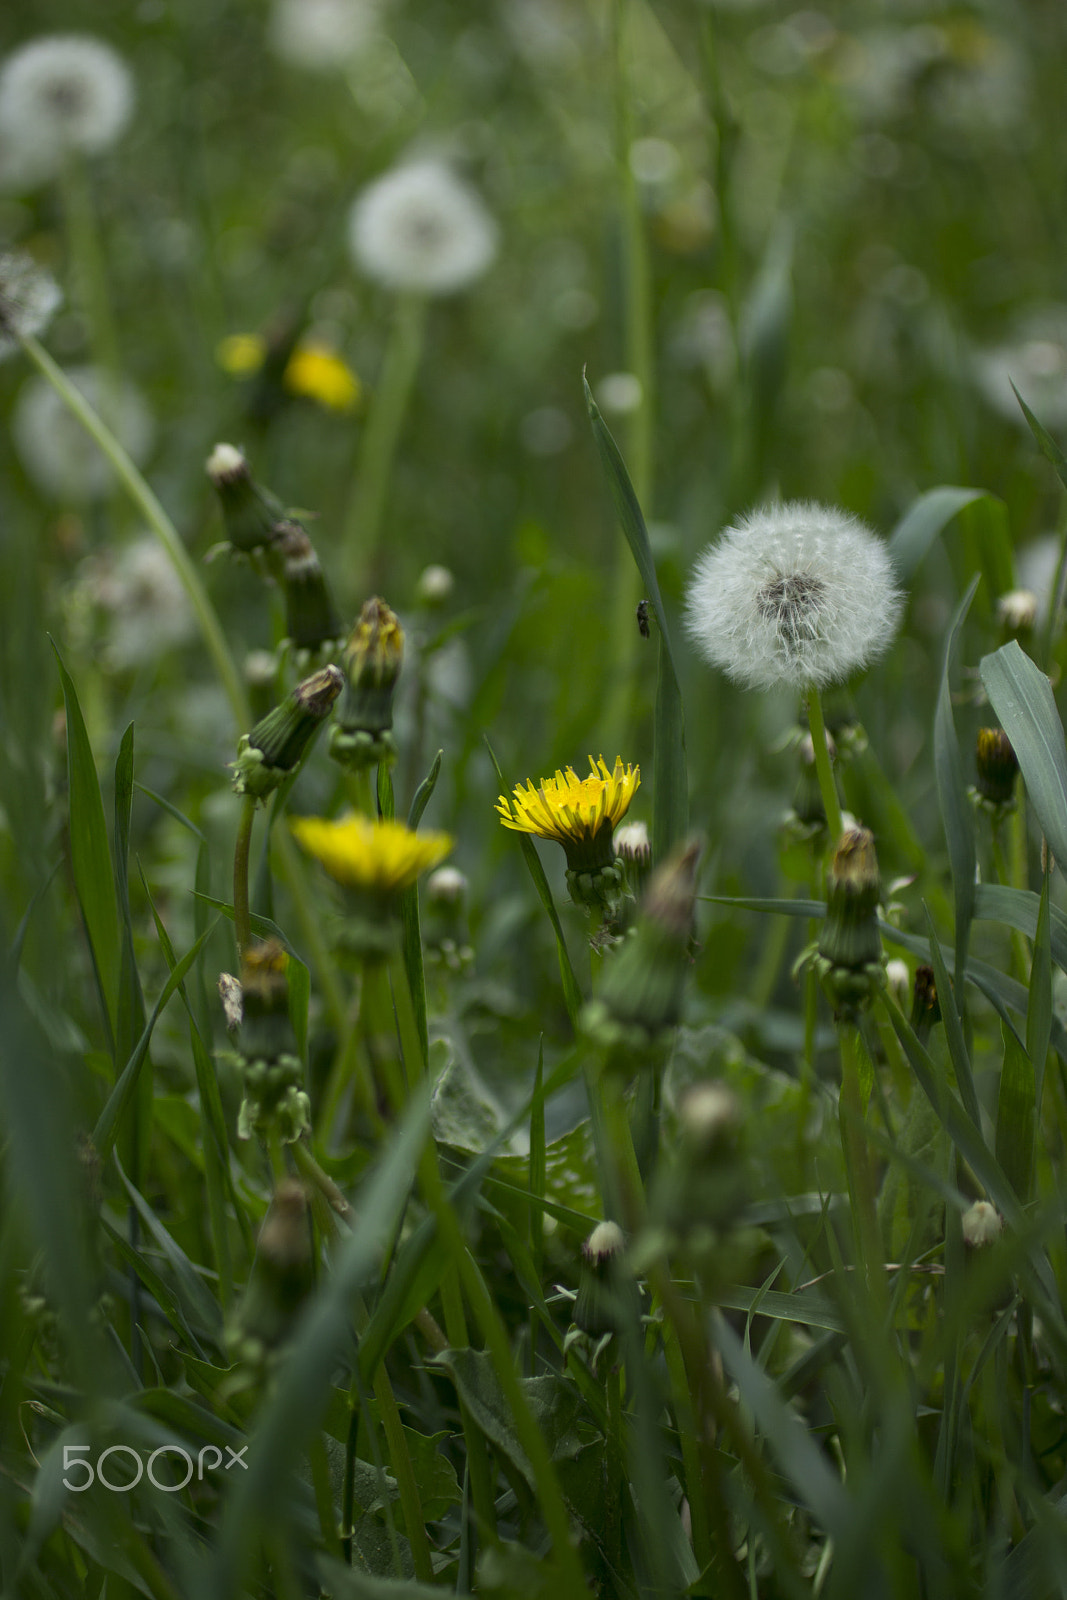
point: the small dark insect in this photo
(642, 619)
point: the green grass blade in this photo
(670, 798)
(90, 856)
(1045, 442)
(1021, 696)
(293, 1409)
(107, 1122)
(1020, 908)
(424, 792)
(572, 994)
(950, 1017)
(956, 813)
(1015, 1117)
(920, 525)
(1039, 1011)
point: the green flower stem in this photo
(242, 916)
(215, 644)
(823, 767)
(404, 1472)
(89, 267)
(858, 1167)
(1005, 875)
(374, 465)
(310, 1169)
(638, 359)
(158, 521)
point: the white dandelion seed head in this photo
(796, 594)
(322, 35)
(145, 604)
(58, 454)
(29, 297)
(58, 93)
(422, 228)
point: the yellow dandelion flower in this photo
(581, 814)
(241, 354)
(318, 373)
(377, 858)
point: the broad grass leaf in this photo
(1021, 696)
(957, 814)
(923, 521)
(90, 856)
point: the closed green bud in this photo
(643, 984)
(850, 945)
(251, 513)
(925, 1005)
(997, 767)
(373, 658)
(699, 1189)
(276, 745)
(271, 1069)
(282, 1277)
(600, 1306)
(311, 618)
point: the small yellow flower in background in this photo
(581, 814)
(319, 373)
(374, 857)
(241, 354)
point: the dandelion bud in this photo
(634, 850)
(850, 945)
(373, 658)
(270, 1066)
(311, 619)
(249, 511)
(982, 1225)
(898, 980)
(445, 926)
(1017, 612)
(701, 1190)
(282, 1277)
(276, 744)
(997, 766)
(600, 1307)
(925, 1006)
(642, 988)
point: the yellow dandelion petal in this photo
(319, 373)
(378, 857)
(578, 813)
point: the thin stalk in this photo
(858, 1165)
(403, 1471)
(1019, 945)
(1055, 599)
(214, 641)
(374, 465)
(89, 266)
(614, 1470)
(823, 767)
(638, 358)
(242, 915)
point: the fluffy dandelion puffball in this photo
(29, 297)
(322, 35)
(421, 228)
(797, 594)
(60, 93)
(58, 454)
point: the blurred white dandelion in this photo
(60, 93)
(323, 35)
(29, 297)
(145, 608)
(422, 228)
(793, 593)
(56, 451)
(1035, 360)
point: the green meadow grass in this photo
(742, 253)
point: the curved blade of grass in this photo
(572, 994)
(1020, 908)
(106, 1124)
(293, 1410)
(1015, 1116)
(956, 813)
(950, 1017)
(424, 792)
(90, 856)
(1021, 696)
(1045, 442)
(670, 798)
(924, 519)
(1039, 1010)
